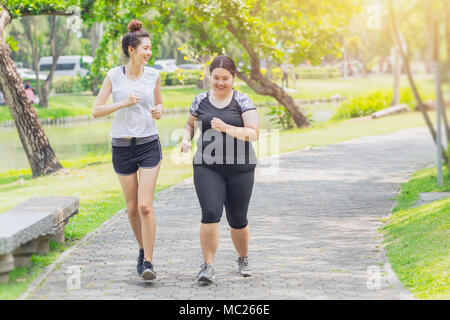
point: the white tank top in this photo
(136, 120)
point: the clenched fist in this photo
(132, 100)
(185, 146)
(218, 125)
(157, 111)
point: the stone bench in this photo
(28, 227)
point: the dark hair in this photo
(27, 86)
(223, 62)
(133, 38)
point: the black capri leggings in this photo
(226, 184)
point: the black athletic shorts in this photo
(127, 160)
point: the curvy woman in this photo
(136, 150)
(224, 164)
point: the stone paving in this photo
(313, 233)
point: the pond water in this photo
(74, 140)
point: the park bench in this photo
(27, 228)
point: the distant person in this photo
(285, 79)
(136, 150)
(30, 93)
(28, 82)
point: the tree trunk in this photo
(268, 88)
(439, 103)
(447, 34)
(429, 55)
(269, 68)
(45, 90)
(55, 54)
(40, 155)
(206, 81)
(96, 37)
(396, 74)
(400, 47)
(31, 33)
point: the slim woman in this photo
(136, 150)
(224, 164)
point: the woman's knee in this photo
(146, 209)
(132, 211)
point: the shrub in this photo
(69, 84)
(172, 79)
(280, 117)
(163, 76)
(189, 77)
(407, 97)
(180, 77)
(364, 106)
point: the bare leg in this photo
(240, 239)
(146, 189)
(209, 240)
(130, 190)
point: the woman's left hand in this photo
(218, 124)
(157, 112)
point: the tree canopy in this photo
(19, 8)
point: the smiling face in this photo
(142, 53)
(221, 82)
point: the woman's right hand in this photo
(132, 100)
(185, 146)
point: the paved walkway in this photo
(313, 233)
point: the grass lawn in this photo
(93, 181)
(417, 240)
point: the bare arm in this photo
(188, 133)
(158, 109)
(249, 132)
(101, 109)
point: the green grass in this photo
(59, 107)
(417, 239)
(67, 106)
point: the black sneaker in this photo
(148, 273)
(140, 260)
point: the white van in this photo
(167, 65)
(67, 65)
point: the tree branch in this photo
(65, 42)
(48, 13)
(253, 84)
(255, 71)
